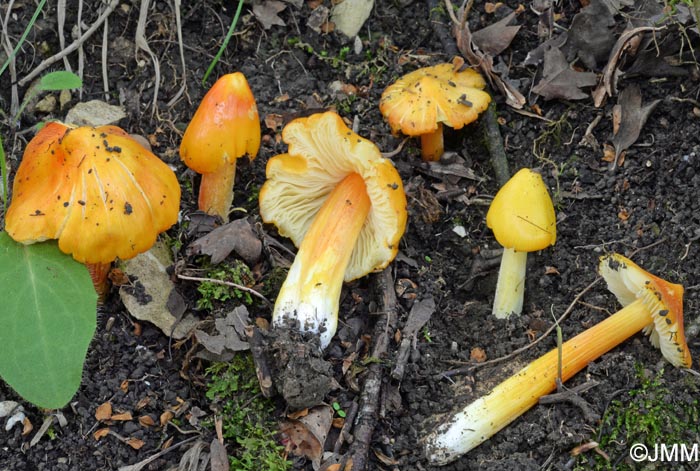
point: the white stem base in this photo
(510, 288)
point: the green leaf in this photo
(47, 319)
(59, 80)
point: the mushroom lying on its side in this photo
(650, 304)
(342, 204)
(97, 191)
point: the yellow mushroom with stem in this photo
(97, 190)
(522, 219)
(650, 304)
(423, 101)
(342, 204)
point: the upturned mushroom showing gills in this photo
(342, 204)
(97, 191)
(224, 128)
(422, 101)
(522, 219)
(650, 304)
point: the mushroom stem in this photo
(432, 145)
(473, 425)
(310, 295)
(216, 191)
(510, 287)
(98, 273)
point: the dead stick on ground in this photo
(494, 143)
(73, 46)
(369, 399)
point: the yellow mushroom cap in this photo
(420, 100)
(322, 152)
(96, 190)
(521, 215)
(664, 300)
(224, 128)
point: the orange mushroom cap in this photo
(224, 128)
(96, 190)
(420, 100)
(664, 301)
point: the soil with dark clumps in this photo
(648, 209)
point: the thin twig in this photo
(369, 399)
(73, 46)
(61, 18)
(81, 51)
(178, 24)
(105, 48)
(471, 367)
(142, 43)
(226, 283)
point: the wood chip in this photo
(101, 433)
(104, 412)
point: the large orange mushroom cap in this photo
(421, 100)
(224, 128)
(96, 190)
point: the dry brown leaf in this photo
(262, 323)
(124, 386)
(166, 417)
(118, 277)
(477, 354)
(298, 414)
(623, 214)
(143, 403)
(338, 422)
(633, 117)
(608, 83)
(492, 7)
(549, 270)
(496, 38)
(384, 458)
(104, 412)
(583, 448)
(477, 58)
(219, 456)
(560, 81)
(135, 443)
(307, 435)
(167, 443)
(267, 13)
(100, 433)
(147, 421)
(27, 427)
(274, 121)
(237, 236)
(122, 417)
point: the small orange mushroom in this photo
(97, 191)
(224, 128)
(421, 102)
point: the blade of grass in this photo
(231, 29)
(39, 7)
(3, 171)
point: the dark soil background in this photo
(648, 209)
